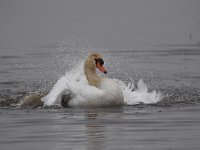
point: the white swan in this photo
(83, 87)
(90, 90)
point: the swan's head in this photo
(93, 62)
(98, 62)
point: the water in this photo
(156, 41)
(104, 128)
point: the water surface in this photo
(103, 128)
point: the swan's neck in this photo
(91, 76)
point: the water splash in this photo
(74, 84)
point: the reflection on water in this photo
(95, 131)
(90, 131)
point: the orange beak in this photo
(101, 68)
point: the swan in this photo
(91, 90)
(83, 87)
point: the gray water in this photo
(104, 128)
(157, 41)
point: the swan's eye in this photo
(99, 60)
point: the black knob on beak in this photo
(105, 72)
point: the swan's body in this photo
(108, 94)
(89, 90)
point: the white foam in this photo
(140, 94)
(74, 83)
